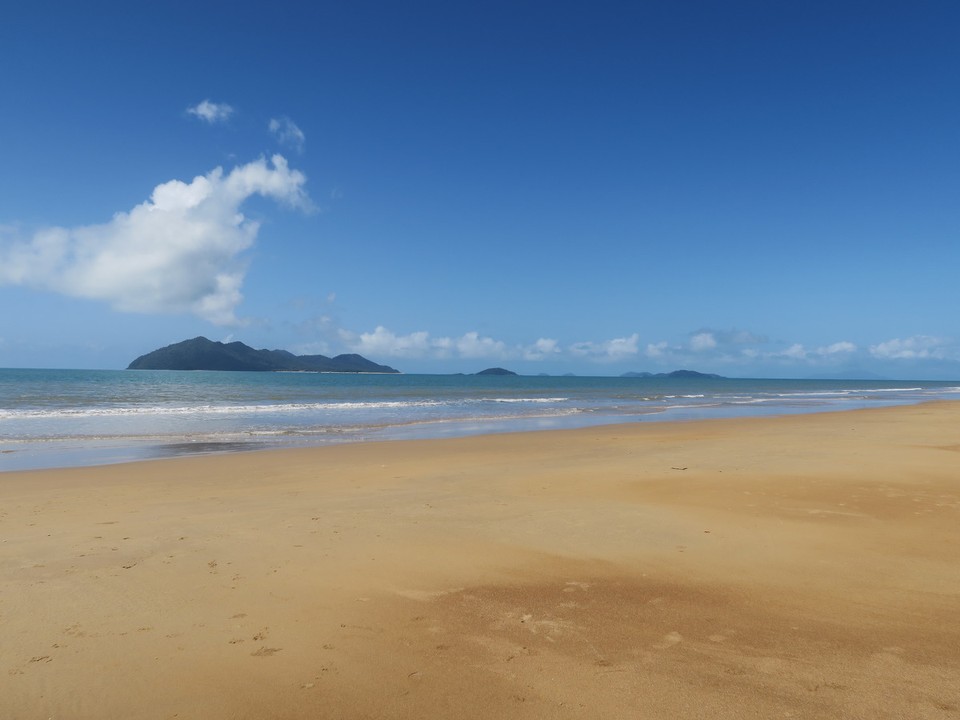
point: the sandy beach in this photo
(804, 566)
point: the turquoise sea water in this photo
(54, 418)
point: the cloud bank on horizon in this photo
(705, 347)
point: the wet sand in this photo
(804, 566)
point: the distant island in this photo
(683, 374)
(203, 354)
(496, 371)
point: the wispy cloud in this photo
(740, 347)
(798, 353)
(211, 112)
(707, 339)
(287, 133)
(657, 350)
(794, 352)
(918, 347)
(702, 342)
(838, 348)
(609, 350)
(178, 252)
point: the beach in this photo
(801, 566)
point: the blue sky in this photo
(748, 188)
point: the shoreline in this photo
(80, 451)
(794, 564)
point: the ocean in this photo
(62, 418)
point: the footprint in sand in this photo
(266, 652)
(669, 640)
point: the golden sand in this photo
(804, 566)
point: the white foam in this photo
(156, 410)
(524, 400)
(879, 390)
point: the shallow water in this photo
(57, 418)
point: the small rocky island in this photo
(203, 354)
(496, 371)
(682, 374)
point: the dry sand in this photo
(804, 566)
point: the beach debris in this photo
(266, 652)
(674, 467)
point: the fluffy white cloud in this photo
(918, 347)
(211, 112)
(471, 345)
(177, 252)
(287, 133)
(384, 342)
(542, 348)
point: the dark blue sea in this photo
(57, 418)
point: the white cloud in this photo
(177, 252)
(837, 348)
(610, 350)
(794, 352)
(211, 112)
(471, 345)
(918, 347)
(707, 339)
(703, 341)
(728, 348)
(797, 352)
(542, 348)
(657, 350)
(287, 133)
(384, 342)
